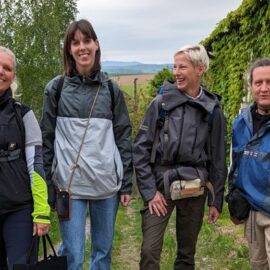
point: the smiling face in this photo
(261, 87)
(7, 71)
(83, 50)
(187, 75)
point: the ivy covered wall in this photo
(240, 38)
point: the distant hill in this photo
(122, 68)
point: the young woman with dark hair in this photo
(87, 133)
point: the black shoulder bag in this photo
(52, 262)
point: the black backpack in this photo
(238, 206)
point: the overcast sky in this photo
(150, 31)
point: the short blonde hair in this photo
(196, 54)
(13, 85)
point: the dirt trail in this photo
(130, 246)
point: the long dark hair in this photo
(87, 30)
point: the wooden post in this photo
(135, 95)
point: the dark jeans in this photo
(16, 231)
(189, 218)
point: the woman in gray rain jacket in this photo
(104, 166)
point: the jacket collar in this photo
(247, 117)
(6, 97)
(172, 98)
(95, 78)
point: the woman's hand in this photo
(125, 199)
(40, 228)
(158, 205)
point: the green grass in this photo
(54, 229)
(129, 88)
(220, 246)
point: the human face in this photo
(261, 87)
(187, 75)
(7, 73)
(83, 51)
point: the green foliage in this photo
(157, 81)
(34, 31)
(237, 40)
(137, 105)
(219, 246)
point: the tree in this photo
(34, 31)
(157, 81)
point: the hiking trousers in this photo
(257, 232)
(16, 232)
(189, 218)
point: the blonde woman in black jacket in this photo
(24, 210)
(182, 137)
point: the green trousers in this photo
(189, 218)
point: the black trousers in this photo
(16, 231)
(189, 218)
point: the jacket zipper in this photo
(193, 146)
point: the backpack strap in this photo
(59, 88)
(19, 118)
(162, 119)
(166, 134)
(110, 86)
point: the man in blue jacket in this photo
(251, 163)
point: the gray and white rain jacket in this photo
(105, 162)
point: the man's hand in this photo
(40, 228)
(125, 199)
(237, 221)
(158, 205)
(213, 214)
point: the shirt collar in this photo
(197, 97)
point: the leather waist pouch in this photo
(181, 189)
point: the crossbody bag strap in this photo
(159, 124)
(83, 138)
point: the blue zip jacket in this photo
(251, 161)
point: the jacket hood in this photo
(172, 98)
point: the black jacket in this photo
(15, 190)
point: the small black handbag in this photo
(51, 262)
(238, 205)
